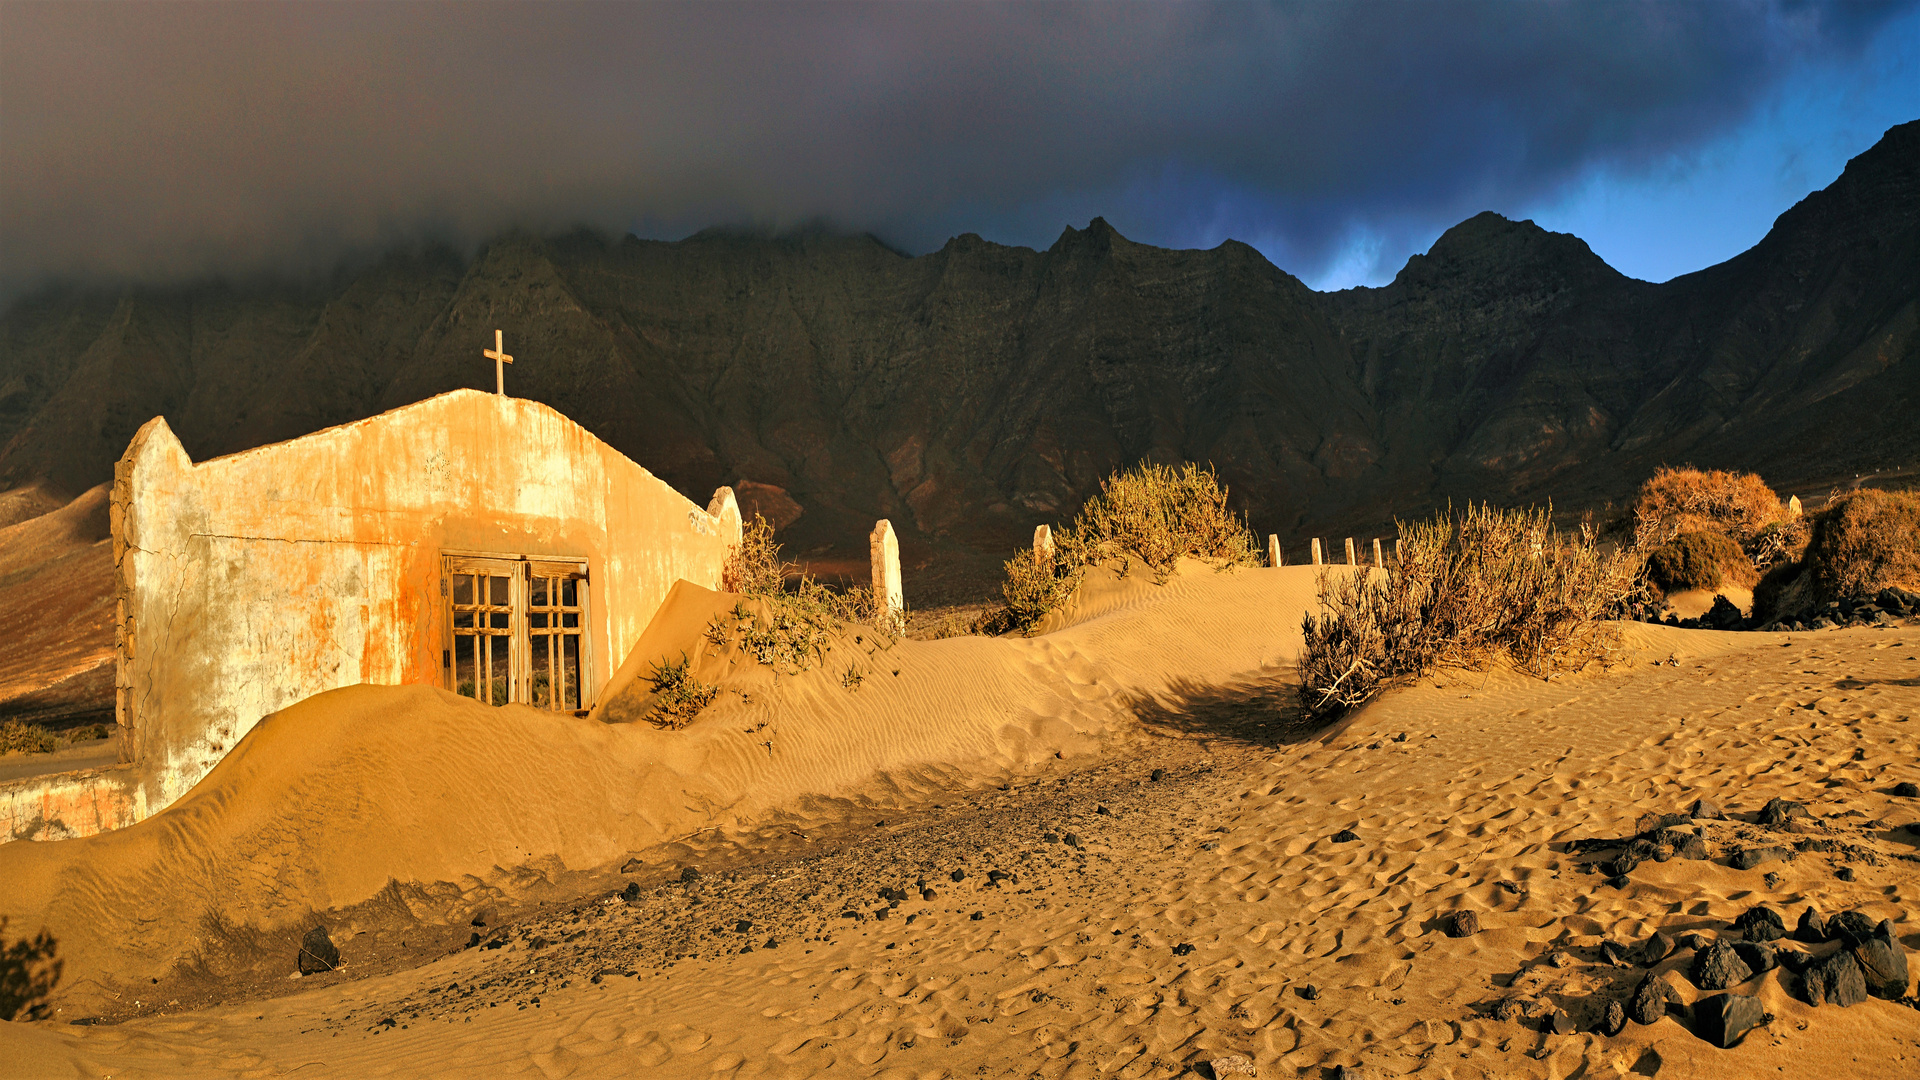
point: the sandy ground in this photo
(1103, 921)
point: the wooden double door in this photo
(517, 630)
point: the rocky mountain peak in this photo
(1490, 248)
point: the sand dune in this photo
(1213, 910)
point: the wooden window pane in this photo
(462, 589)
(499, 592)
(466, 679)
(499, 668)
(539, 597)
(570, 671)
(569, 593)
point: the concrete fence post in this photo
(1274, 558)
(1043, 546)
(1351, 560)
(1379, 559)
(1316, 552)
(889, 602)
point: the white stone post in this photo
(889, 602)
(1351, 560)
(1274, 558)
(1793, 507)
(1317, 561)
(1043, 546)
(1379, 558)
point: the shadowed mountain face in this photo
(970, 393)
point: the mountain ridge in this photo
(974, 391)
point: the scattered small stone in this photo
(1655, 949)
(1183, 949)
(1157, 775)
(1232, 1067)
(1702, 810)
(1696, 942)
(1072, 840)
(1617, 954)
(1102, 809)
(771, 944)
(1718, 967)
(1649, 1001)
(1614, 1020)
(1345, 836)
(632, 866)
(1561, 1024)
(1907, 789)
(1761, 923)
(958, 875)
(929, 895)
(1505, 1009)
(1461, 924)
(743, 926)
(1563, 960)
(977, 916)
(631, 892)
(318, 952)
(689, 874)
(1049, 838)
(1883, 962)
(1348, 1072)
(1836, 980)
(1748, 858)
(1771, 880)
(1211, 845)
(1619, 881)
(1781, 811)
(1845, 873)
(1310, 992)
(1724, 1018)
(1694, 848)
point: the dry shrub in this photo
(1699, 560)
(1864, 541)
(1492, 583)
(1153, 514)
(1675, 501)
(1159, 515)
(678, 697)
(754, 568)
(802, 612)
(19, 737)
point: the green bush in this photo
(678, 697)
(1699, 560)
(1494, 582)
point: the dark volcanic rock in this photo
(1758, 956)
(1851, 926)
(1614, 1020)
(1883, 962)
(1812, 928)
(1656, 948)
(1650, 998)
(1705, 811)
(1761, 923)
(1781, 811)
(1461, 924)
(1907, 789)
(1836, 980)
(1718, 967)
(1723, 1018)
(317, 952)
(1748, 858)
(1345, 836)
(1561, 1024)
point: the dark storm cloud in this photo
(158, 141)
